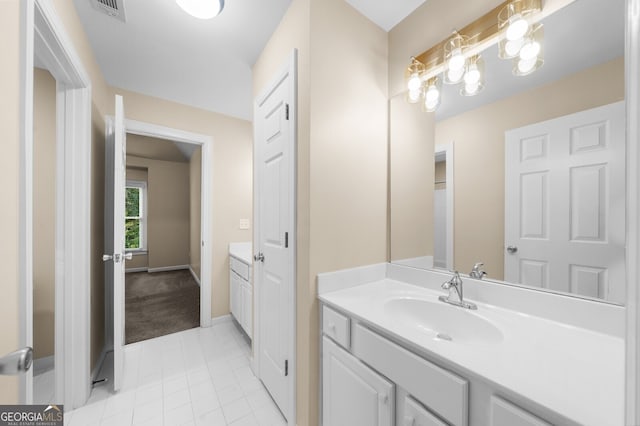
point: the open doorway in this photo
(162, 232)
(44, 225)
(443, 197)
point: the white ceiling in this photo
(163, 52)
(386, 13)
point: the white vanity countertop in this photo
(575, 372)
(241, 251)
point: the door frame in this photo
(632, 97)
(447, 149)
(290, 67)
(43, 35)
(206, 200)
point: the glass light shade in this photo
(508, 49)
(531, 56)
(517, 28)
(432, 95)
(453, 76)
(454, 58)
(202, 9)
(513, 21)
(414, 82)
(413, 77)
(473, 76)
(414, 96)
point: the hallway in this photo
(196, 377)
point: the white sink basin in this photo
(445, 322)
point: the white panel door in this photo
(565, 204)
(114, 238)
(275, 204)
(352, 393)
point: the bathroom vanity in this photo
(393, 354)
(240, 285)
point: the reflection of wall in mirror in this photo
(479, 156)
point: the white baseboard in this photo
(141, 269)
(42, 365)
(221, 319)
(167, 268)
(193, 273)
(98, 367)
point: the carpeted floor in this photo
(160, 303)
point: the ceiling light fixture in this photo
(513, 25)
(202, 9)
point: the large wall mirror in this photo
(528, 176)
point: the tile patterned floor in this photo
(196, 377)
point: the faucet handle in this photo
(478, 266)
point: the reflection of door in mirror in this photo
(565, 204)
(440, 214)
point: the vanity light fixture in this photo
(202, 9)
(513, 25)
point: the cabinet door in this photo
(247, 308)
(504, 413)
(353, 394)
(235, 304)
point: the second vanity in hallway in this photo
(393, 354)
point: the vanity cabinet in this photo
(504, 413)
(241, 294)
(353, 394)
(371, 378)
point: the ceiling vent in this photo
(113, 8)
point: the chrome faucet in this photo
(477, 271)
(454, 285)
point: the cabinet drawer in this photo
(336, 326)
(504, 413)
(416, 415)
(445, 393)
(239, 267)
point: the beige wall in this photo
(140, 174)
(195, 188)
(9, 214)
(44, 221)
(479, 146)
(342, 165)
(411, 141)
(168, 212)
(411, 148)
(230, 183)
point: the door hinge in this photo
(286, 108)
(286, 240)
(286, 367)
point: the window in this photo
(135, 223)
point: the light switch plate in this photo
(244, 223)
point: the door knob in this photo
(128, 256)
(512, 249)
(106, 257)
(16, 362)
(259, 257)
